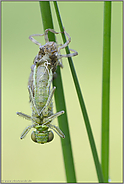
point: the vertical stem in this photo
(106, 90)
(82, 104)
(47, 18)
(63, 124)
(60, 102)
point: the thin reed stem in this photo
(60, 101)
(106, 90)
(82, 104)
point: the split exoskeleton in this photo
(40, 92)
(51, 51)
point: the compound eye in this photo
(33, 137)
(51, 136)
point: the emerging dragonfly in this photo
(41, 103)
(40, 92)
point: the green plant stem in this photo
(47, 18)
(60, 102)
(82, 105)
(106, 90)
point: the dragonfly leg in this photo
(35, 41)
(46, 34)
(45, 108)
(48, 120)
(24, 115)
(57, 130)
(27, 129)
(32, 100)
(66, 43)
(68, 55)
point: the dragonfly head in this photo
(43, 137)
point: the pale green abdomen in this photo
(42, 87)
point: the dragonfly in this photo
(40, 95)
(40, 91)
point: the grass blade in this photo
(106, 90)
(82, 104)
(60, 102)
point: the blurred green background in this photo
(25, 160)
